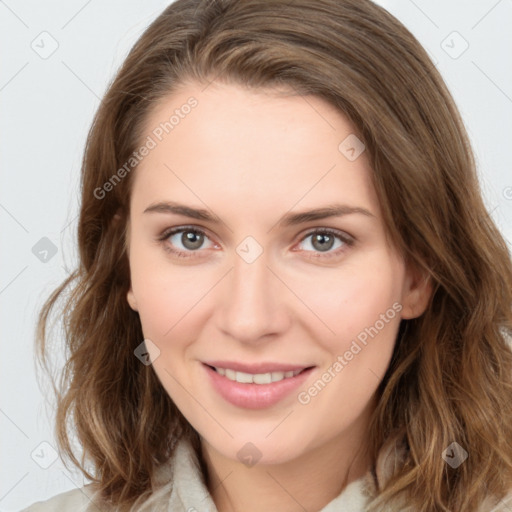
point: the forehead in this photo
(255, 148)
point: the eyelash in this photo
(347, 241)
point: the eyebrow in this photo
(289, 219)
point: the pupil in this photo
(325, 242)
(192, 240)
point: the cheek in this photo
(362, 307)
(355, 299)
(156, 291)
(169, 297)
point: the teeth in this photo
(244, 378)
(276, 376)
(262, 378)
(257, 378)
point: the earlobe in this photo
(416, 296)
(130, 297)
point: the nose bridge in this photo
(251, 308)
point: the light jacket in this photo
(180, 488)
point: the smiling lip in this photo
(255, 396)
(256, 367)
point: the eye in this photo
(184, 241)
(187, 241)
(323, 241)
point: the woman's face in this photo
(272, 310)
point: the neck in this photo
(308, 482)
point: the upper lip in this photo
(255, 368)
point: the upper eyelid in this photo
(166, 233)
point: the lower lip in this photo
(255, 396)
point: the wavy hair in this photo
(450, 378)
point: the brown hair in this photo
(450, 378)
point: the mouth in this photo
(256, 378)
(255, 386)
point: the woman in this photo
(290, 295)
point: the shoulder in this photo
(76, 500)
(493, 505)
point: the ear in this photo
(130, 297)
(416, 293)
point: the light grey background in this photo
(57, 59)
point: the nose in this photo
(253, 305)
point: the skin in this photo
(251, 157)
